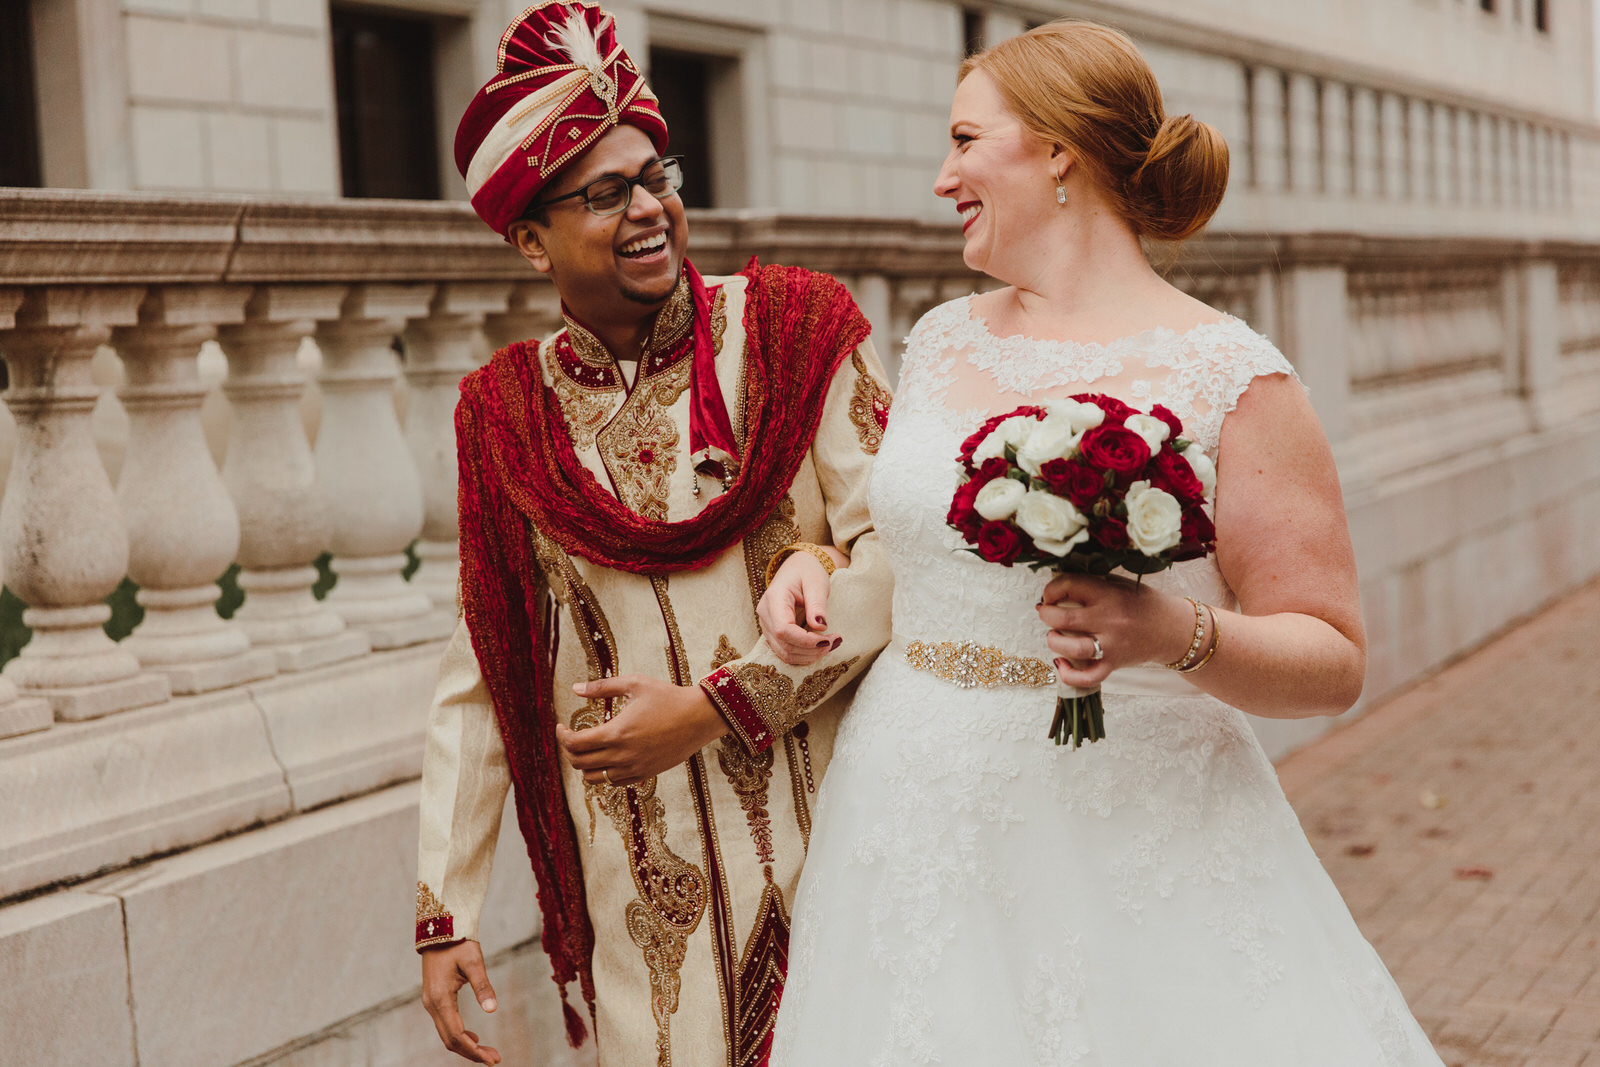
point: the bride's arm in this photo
(1296, 646)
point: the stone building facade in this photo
(207, 829)
(1413, 117)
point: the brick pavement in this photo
(1461, 821)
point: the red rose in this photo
(1072, 480)
(999, 542)
(993, 467)
(1174, 423)
(962, 515)
(1116, 411)
(1110, 532)
(1113, 447)
(970, 445)
(1174, 474)
(1197, 528)
(1199, 536)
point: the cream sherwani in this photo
(689, 876)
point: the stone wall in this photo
(1402, 118)
(208, 832)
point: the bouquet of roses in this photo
(1085, 486)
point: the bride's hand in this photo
(793, 612)
(1132, 623)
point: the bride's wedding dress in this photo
(975, 895)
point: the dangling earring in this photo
(1061, 194)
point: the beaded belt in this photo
(969, 665)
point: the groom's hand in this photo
(445, 969)
(659, 727)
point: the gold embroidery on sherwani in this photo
(749, 776)
(778, 700)
(778, 531)
(587, 347)
(815, 686)
(594, 634)
(640, 445)
(674, 320)
(584, 410)
(761, 976)
(725, 653)
(719, 320)
(798, 782)
(672, 891)
(723, 947)
(869, 407)
(672, 897)
(434, 921)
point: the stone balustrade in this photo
(1317, 145)
(1448, 373)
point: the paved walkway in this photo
(1461, 821)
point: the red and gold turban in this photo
(563, 83)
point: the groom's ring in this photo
(605, 772)
(1099, 653)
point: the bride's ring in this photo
(605, 772)
(1099, 653)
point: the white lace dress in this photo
(975, 895)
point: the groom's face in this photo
(607, 266)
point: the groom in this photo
(625, 488)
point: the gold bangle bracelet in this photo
(1184, 661)
(782, 554)
(1216, 643)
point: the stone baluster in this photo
(62, 541)
(18, 714)
(284, 517)
(181, 523)
(533, 312)
(439, 351)
(367, 470)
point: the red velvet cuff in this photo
(753, 731)
(436, 931)
(435, 925)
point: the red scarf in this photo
(518, 467)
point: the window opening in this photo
(383, 68)
(19, 118)
(681, 81)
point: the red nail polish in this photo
(822, 644)
(837, 641)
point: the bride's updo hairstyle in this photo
(1086, 87)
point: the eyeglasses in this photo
(613, 194)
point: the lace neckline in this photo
(1155, 335)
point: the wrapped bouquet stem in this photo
(1088, 485)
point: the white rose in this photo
(1204, 469)
(1152, 429)
(999, 499)
(1054, 524)
(1155, 519)
(1053, 438)
(1082, 416)
(1013, 431)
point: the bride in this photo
(974, 894)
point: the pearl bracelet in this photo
(1185, 661)
(1216, 643)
